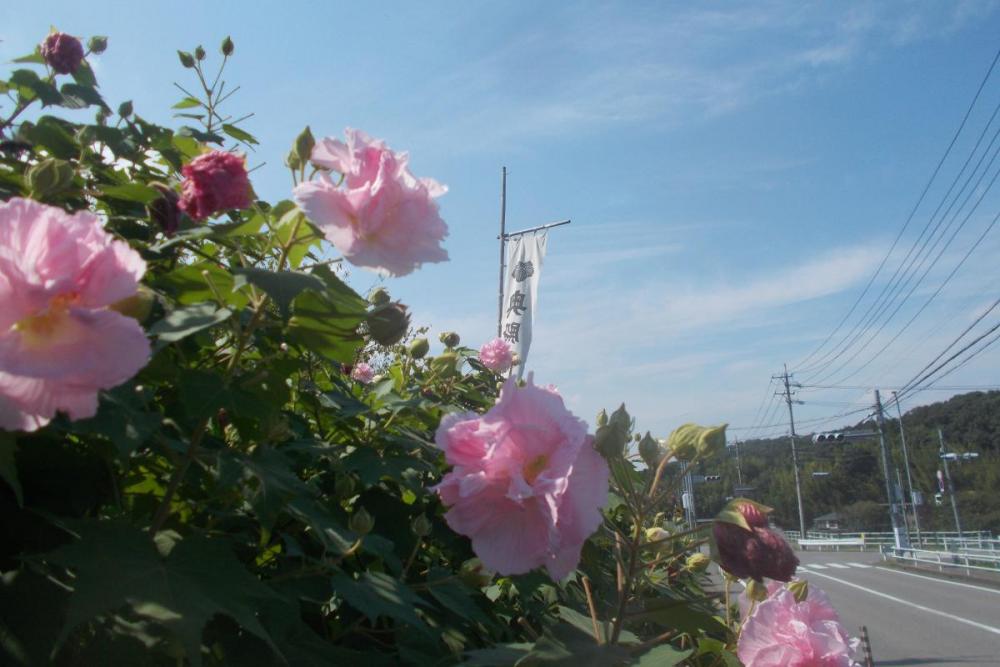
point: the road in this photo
(912, 619)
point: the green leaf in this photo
(187, 103)
(178, 584)
(268, 482)
(8, 466)
(84, 75)
(377, 594)
(134, 192)
(122, 418)
(202, 394)
(456, 597)
(183, 322)
(281, 286)
(29, 81)
(503, 655)
(76, 96)
(305, 237)
(189, 284)
(239, 134)
(35, 58)
(324, 326)
(664, 655)
(206, 137)
(53, 134)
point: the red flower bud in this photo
(756, 553)
(214, 182)
(62, 52)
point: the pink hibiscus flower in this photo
(784, 633)
(59, 342)
(383, 217)
(527, 486)
(496, 355)
(362, 372)
(213, 182)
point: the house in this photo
(829, 521)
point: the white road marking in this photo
(943, 581)
(817, 567)
(858, 565)
(839, 566)
(929, 610)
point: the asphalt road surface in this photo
(912, 619)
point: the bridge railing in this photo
(944, 560)
(967, 541)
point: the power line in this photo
(909, 218)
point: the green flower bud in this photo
(304, 144)
(683, 442)
(97, 44)
(656, 534)
(636, 437)
(125, 109)
(187, 60)
(697, 562)
(419, 348)
(379, 296)
(610, 440)
(799, 588)
(344, 487)
(292, 160)
(387, 324)
(712, 441)
(602, 418)
(361, 522)
(450, 339)
(473, 574)
(421, 526)
(138, 306)
(227, 46)
(199, 53)
(649, 450)
(756, 590)
(49, 177)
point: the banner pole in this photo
(503, 244)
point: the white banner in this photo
(525, 254)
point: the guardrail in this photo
(947, 540)
(944, 559)
(834, 544)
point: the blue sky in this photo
(734, 172)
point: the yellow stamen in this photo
(534, 468)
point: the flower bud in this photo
(697, 562)
(656, 534)
(187, 60)
(756, 590)
(610, 440)
(227, 46)
(637, 437)
(683, 442)
(62, 52)
(379, 296)
(138, 306)
(165, 210)
(199, 53)
(450, 339)
(344, 487)
(649, 450)
(388, 323)
(304, 144)
(97, 44)
(292, 160)
(361, 522)
(49, 177)
(602, 418)
(419, 348)
(421, 526)
(746, 547)
(712, 441)
(800, 589)
(473, 574)
(515, 359)
(125, 109)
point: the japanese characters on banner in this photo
(525, 254)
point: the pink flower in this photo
(496, 355)
(59, 342)
(362, 372)
(756, 553)
(62, 52)
(383, 218)
(213, 182)
(527, 485)
(784, 633)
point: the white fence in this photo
(981, 541)
(945, 560)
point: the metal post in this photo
(795, 456)
(503, 246)
(898, 528)
(906, 464)
(951, 489)
(739, 468)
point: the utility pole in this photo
(739, 468)
(795, 457)
(951, 487)
(906, 464)
(690, 512)
(898, 526)
(503, 245)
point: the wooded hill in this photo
(855, 486)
